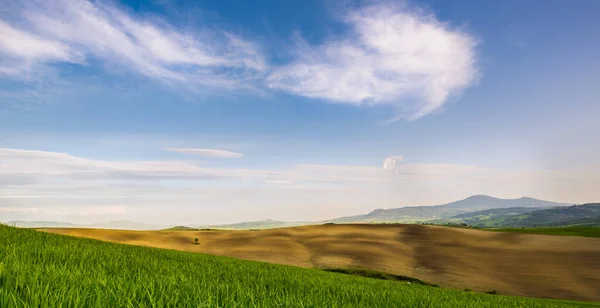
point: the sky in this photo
(210, 112)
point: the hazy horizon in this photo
(219, 112)
(213, 223)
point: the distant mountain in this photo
(261, 224)
(118, 225)
(435, 213)
(476, 210)
(444, 211)
(584, 214)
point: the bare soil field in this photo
(545, 266)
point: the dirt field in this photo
(562, 267)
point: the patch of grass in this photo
(48, 270)
(379, 275)
(571, 231)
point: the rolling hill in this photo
(38, 269)
(584, 214)
(510, 263)
(486, 218)
(426, 213)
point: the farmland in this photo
(48, 270)
(567, 231)
(510, 263)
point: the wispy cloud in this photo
(76, 31)
(82, 186)
(30, 48)
(87, 211)
(393, 55)
(23, 167)
(48, 166)
(207, 152)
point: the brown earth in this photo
(562, 267)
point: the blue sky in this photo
(222, 111)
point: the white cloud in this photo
(27, 167)
(16, 43)
(76, 30)
(207, 152)
(392, 56)
(20, 51)
(87, 211)
(39, 182)
(102, 210)
(27, 164)
(391, 162)
(28, 210)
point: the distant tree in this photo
(196, 240)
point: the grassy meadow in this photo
(570, 231)
(47, 270)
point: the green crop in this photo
(569, 230)
(38, 269)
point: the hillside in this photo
(487, 218)
(567, 231)
(511, 263)
(48, 270)
(426, 213)
(585, 214)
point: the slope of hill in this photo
(88, 273)
(514, 264)
(568, 231)
(425, 213)
(487, 218)
(585, 214)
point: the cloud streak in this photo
(206, 152)
(79, 31)
(391, 56)
(27, 167)
(68, 183)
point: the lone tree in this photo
(196, 240)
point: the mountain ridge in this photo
(405, 214)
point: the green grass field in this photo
(46, 270)
(572, 231)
